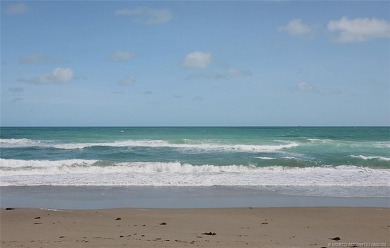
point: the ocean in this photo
(305, 161)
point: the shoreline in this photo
(216, 227)
(92, 197)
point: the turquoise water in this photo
(196, 156)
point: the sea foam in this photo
(371, 157)
(12, 143)
(97, 173)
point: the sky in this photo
(195, 63)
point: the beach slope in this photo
(238, 227)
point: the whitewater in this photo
(351, 160)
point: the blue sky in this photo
(206, 63)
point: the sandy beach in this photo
(234, 227)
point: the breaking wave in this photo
(371, 157)
(13, 143)
(101, 173)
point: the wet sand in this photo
(216, 227)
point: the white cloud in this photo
(233, 73)
(121, 92)
(57, 76)
(308, 88)
(296, 27)
(17, 99)
(230, 73)
(197, 59)
(197, 99)
(121, 56)
(359, 29)
(147, 15)
(16, 9)
(16, 89)
(35, 58)
(38, 58)
(127, 81)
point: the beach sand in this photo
(235, 227)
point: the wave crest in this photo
(12, 143)
(99, 173)
(201, 146)
(371, 157)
